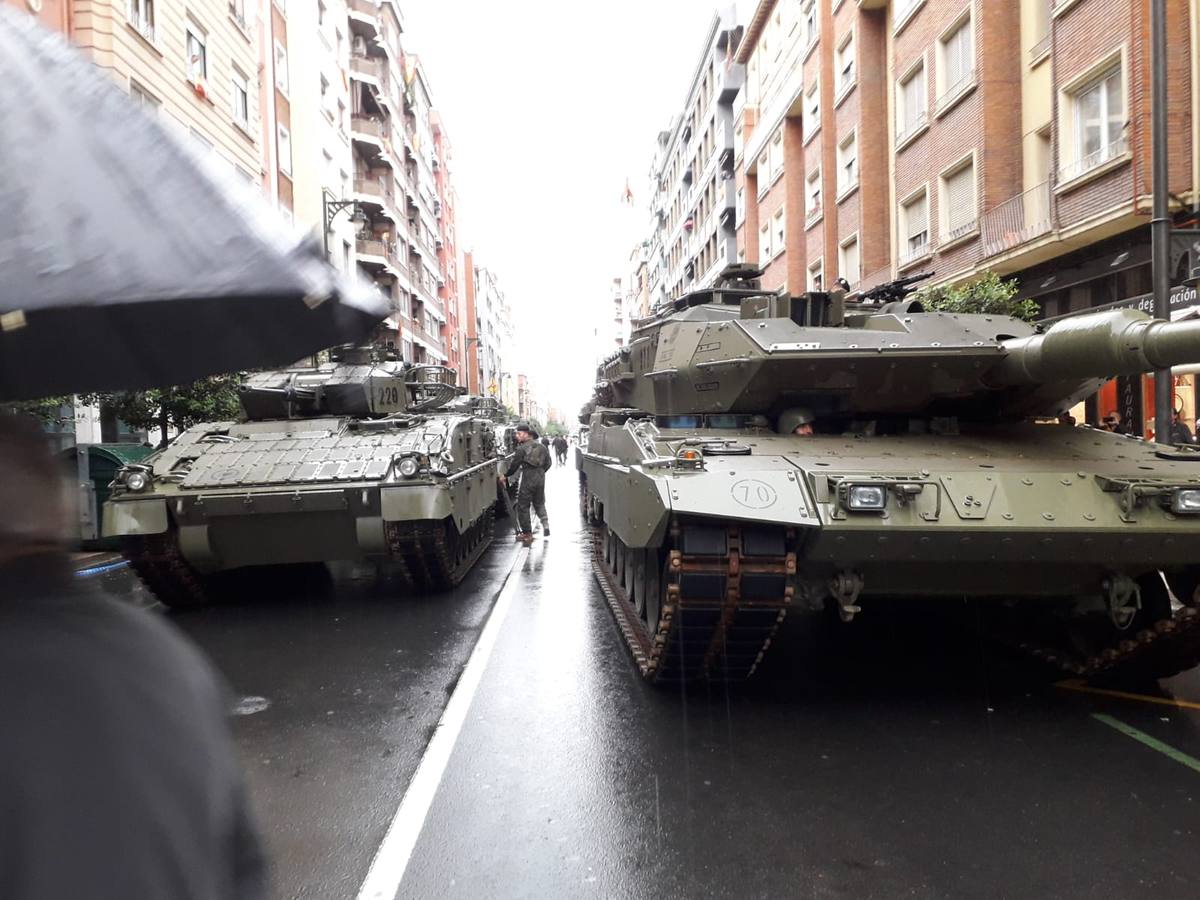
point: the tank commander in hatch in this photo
(797, 420)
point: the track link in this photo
(1169, 646)
(433, 555)
(713, 609)
(160, 565)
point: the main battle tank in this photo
(934, 468)
(359, 459)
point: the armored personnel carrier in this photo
(358, 459)
(752, 455)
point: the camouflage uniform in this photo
(531, 460)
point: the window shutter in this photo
(960, 199)
(915, 218)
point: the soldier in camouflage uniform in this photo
(531, 460)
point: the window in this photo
(812, 110)
(844, 63)
(957, 60)
(144, 98)
(764, 244)
(775, 154)
(848, 260)
(341, 116)
(914, 227)
(910, 103)
(320, 14)
(958, 201)
(237, 9)
(281, 67)
(285, 151)
(811, 19)
(779, 232)
(241, 99)
(197, 55)
(740, 211)
(140, 14)
(1098, 123)
(816, 276)
(326, 106)
(847, 161)
(812, 195)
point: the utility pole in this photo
(1160, 223)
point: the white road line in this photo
(391, 859)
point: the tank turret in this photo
(875, 355)
(355, 383)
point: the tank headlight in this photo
(409, 467)
(1186, 502)
(866, 497)
(138, 481)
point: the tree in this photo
(49, 410)
(988, 295)
(206, 400)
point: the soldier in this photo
(560, 449)
(797, 420)
(531, 460)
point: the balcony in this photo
(370, 127)
(1017, 220)
(381, 254)
(364, 12)
(374, 189)
(367, 67)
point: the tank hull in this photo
(1020, 513)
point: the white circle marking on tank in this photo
(753, 494)
(248, 706)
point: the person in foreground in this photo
(118, 774)
(531, 460)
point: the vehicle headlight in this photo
(1186, 501)
(866, 497)
(409, 467)
(138, 480)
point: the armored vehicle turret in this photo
(359, 459)
(753, 455)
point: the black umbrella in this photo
(126, 259)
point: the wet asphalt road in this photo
(900, 763)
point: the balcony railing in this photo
(1094, 160)
(364, 8)
(914, 251)
(372, 126)
(1017, 220)
(365, 65)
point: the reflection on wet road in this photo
(904, 762)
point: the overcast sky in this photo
(550, 107)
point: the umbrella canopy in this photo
(129, 261)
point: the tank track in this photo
(1168, 647)
(712, 610)
(433, 555)
(160, 565)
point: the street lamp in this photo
(331, 206)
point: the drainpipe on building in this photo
(1160, 224)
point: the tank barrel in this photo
(1104, 344)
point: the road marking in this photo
(1078, 684)
(1153, 743)
(391, 859)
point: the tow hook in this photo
(845, 587)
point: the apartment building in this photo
(318, 90)
(693, 176)
(878, 138)
(446, 242)
(193, 65)
(493, 332)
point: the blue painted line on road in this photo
(100, 570)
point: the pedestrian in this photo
(560, 449)
(118, 775)
(1180, 433)
(530, 460)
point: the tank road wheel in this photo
(631, 581)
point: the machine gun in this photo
(891, 291)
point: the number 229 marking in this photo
(389, 396)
